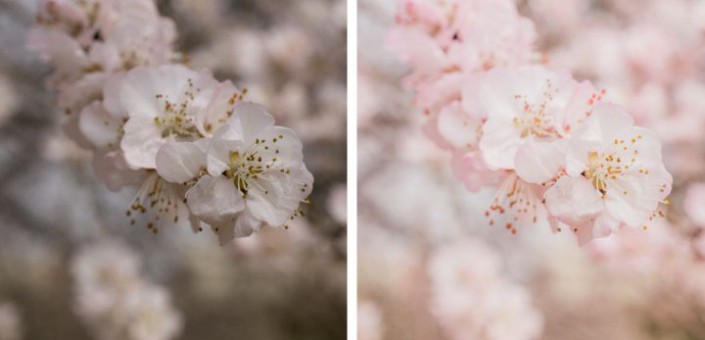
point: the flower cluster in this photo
(198, 151)
(559, 151)
(115, 302)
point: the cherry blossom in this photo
(528, 103)
(510, 123)
(445, 42)
(101, 125)
(437, 37)
(88, 42)
(614, 176)
(163, 105)
(529, 112)
(158, 125)
(81, 37)
(249, 173)
(647, 56)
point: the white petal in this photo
(431, 131)
(664, 180)
(250, 120)
(583, 233)
(573, 200)
(607, 122)
(206, 86)
(631, 200)
(224, 231)
(577, 155)
(456, 127)
(471, 169)
(111, 95)
(141, 142)
(99, 126)
(495, 95)
(242, 225)
(416, 48)
(141, 86)
(645, 148)
(112, 169)
(278, 204)
(539, 162)
(433, 96)
(219, 149)
(470, 102)
(613, 119)
(600, 227)
(500, 141)
(214, 199)
(245, 225)
(78, 94)
(288, 141)
(287, 150)
(604, 226)
(59, 48)
(72, 130)
(302, 179)
(216, 113)
(196, 224)
(106, 55)
(577, 109)
(179, 162)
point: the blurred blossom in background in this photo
(72, 267)
(430, 266)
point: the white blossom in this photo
(249, 173)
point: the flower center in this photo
(605, 168)
(534, 120)
(176, 124)
(243, 169)
(535, 125)
(599, 172)
(175, 119)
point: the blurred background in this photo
(431, 267)
(67, 250)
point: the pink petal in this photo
(539, 162)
